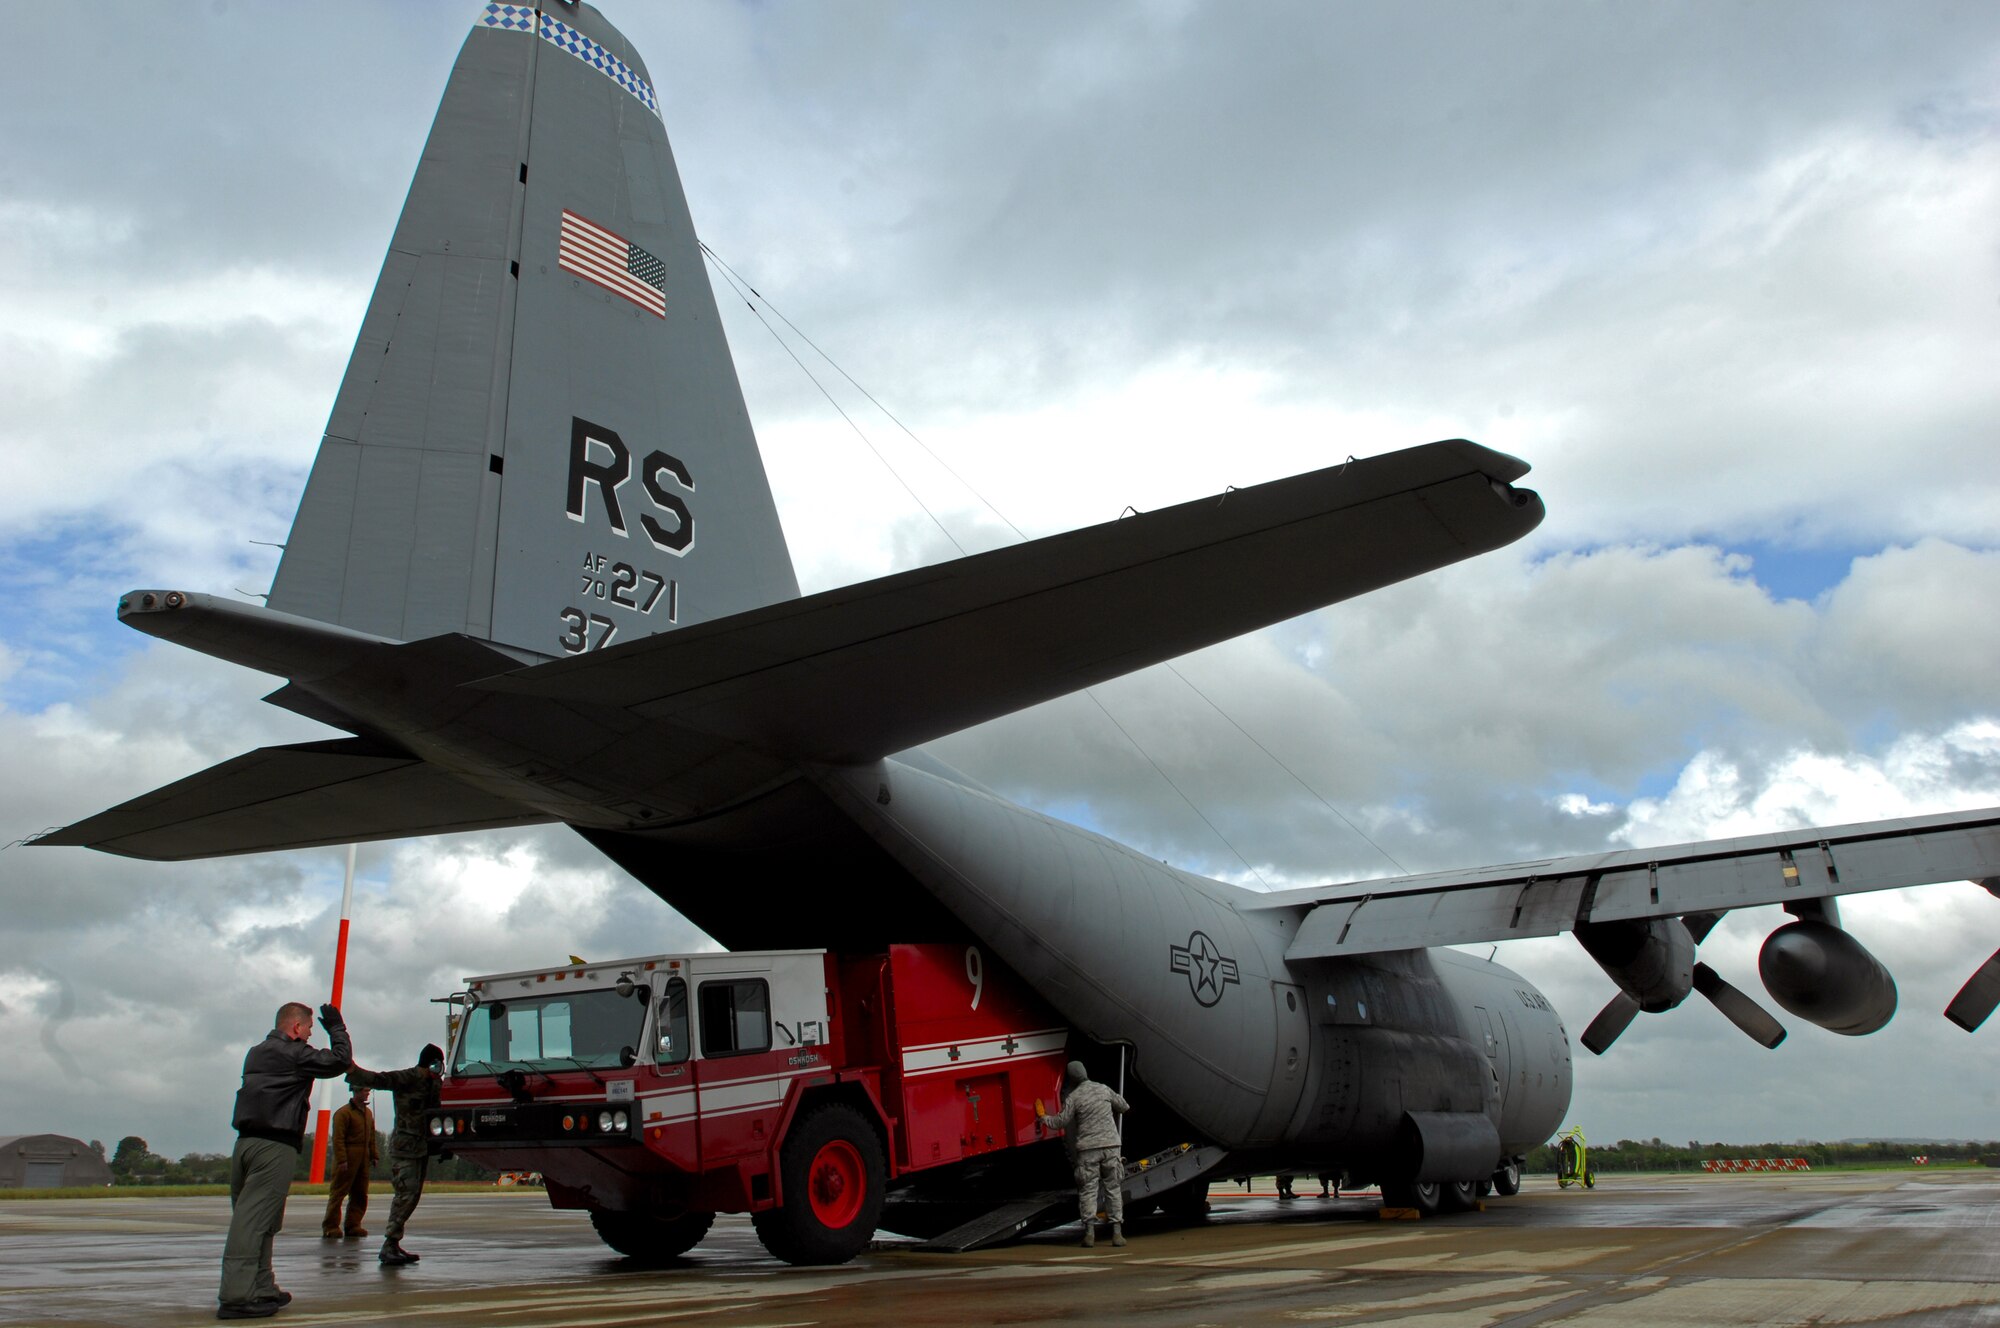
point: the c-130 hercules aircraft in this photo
(537, 576)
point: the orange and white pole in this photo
(324, 1120)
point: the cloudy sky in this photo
(1727, 275)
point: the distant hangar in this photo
(49, 1161)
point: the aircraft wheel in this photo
(1457, 1196)
(833, 1178)
(650, 1239)
(1507, 1180)
(1424, 1196)
(1483, 1188)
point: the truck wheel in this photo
(1424, 1196)
(650, 1239)
(1507, 1180)
(833, 1176)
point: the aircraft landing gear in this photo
(1431, 1197)
(1426, 1196)
(1458, 1196)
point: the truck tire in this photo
(832, 1175)
(650, 1239)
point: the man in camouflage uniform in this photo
(355, 1151)
(416, 1091)
(1088, 1117)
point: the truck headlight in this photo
(437, 1125)
(620, 1121)
(604, 1122)
(450, 1125)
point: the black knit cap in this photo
(432, 1054)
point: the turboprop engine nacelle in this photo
(1820, 973)
(1651, 961)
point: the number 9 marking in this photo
(975, 973)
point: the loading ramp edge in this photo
(1146, 1179)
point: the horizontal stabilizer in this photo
(1549, 897)
(853, 674)
(343, 791)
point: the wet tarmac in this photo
(1904, 1248)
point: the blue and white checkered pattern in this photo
(515, 18)
(521, 18)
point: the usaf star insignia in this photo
(1208, 969)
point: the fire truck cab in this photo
(798, 1086)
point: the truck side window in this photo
(674, 1046)
(735, 1017)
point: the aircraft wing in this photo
(300, 796)
(1555, 895)
(853, 674)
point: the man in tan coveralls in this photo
(356, 1150)
(1089, 1116)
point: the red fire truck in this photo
(798, 1086)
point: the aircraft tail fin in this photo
(540, 440)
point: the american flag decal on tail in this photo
(613, 262)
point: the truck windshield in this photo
(577, 1029)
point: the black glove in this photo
(329, 1017)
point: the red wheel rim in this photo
(836, 1184)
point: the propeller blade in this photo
(1976, 999)
(1613, 1020)
(1739, 1009)
(1699, 925)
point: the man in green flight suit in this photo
(270, 1120)
(416, 1091)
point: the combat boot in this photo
(395, 1255)
(1089, 1235)
(1117, 1233)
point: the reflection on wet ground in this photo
(1910, 1248)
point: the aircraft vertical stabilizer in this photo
(540, 439)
